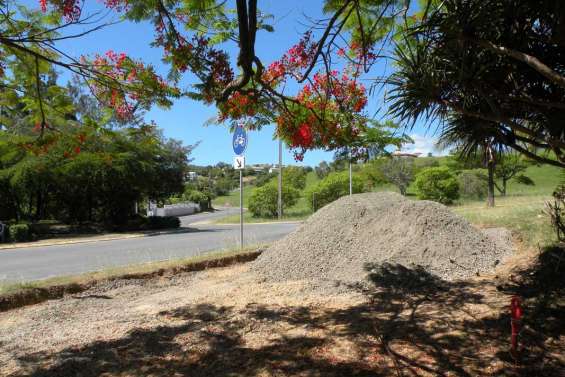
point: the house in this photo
(260, 167)
(405, 154)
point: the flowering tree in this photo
(327, 111)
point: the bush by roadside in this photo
(19, 233)
(25, 232)
(264, 200)
(165, 222)
(198, 197)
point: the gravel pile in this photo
(348, 239)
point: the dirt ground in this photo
(227, 322)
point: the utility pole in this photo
(280, 181)
(350, 175)
(241, 209)
(313, 202)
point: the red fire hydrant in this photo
(516, 313)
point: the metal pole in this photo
(241, 208)
(350, 176)
(313, 202)
(280, 181)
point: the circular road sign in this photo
(239, 142)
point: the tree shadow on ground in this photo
(413, 324)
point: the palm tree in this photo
(466, 58)
(473, 137)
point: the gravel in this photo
(351, 237)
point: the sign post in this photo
(350, 175)
(239, 144)
(279, 201)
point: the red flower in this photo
(303, 136)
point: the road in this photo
(25, 264)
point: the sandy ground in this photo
(227, 322)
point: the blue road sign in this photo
(239, 142)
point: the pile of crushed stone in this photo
(348, 239)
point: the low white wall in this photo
(180, 209)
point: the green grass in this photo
(546, 179)
(521, 214)
(10, 288)
(522, 209)
(232, 200)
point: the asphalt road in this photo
(35, 263)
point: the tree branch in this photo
(322, 40)
(247, 23)
(38, 88)
(536, 157)
(530, 60)
(502, 119)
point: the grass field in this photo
(521, 214)
(522, 208)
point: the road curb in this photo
(260, 223)
(26, 245)
(68, 242)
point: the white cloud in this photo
(424, 145)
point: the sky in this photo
(186, 118)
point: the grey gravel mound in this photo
(341, 241)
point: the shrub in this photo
(294, 176)
(331, 188)
(556, 212)
(322, 170)
(223, 186)
(399, 171)
(438, 184)
(264, 200)
(195, 196)
(19, 232)
(135, 222)
(472, 184)
(371, 175)
(424, 163)
(263, 179)
(162, 222)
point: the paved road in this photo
(43, 262)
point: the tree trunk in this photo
(503, 193)
(39, 205)
(89, 204)
(29, 215)
(402, 190)
(490, 195)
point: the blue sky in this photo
(185, 119)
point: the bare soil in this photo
(231, 322)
